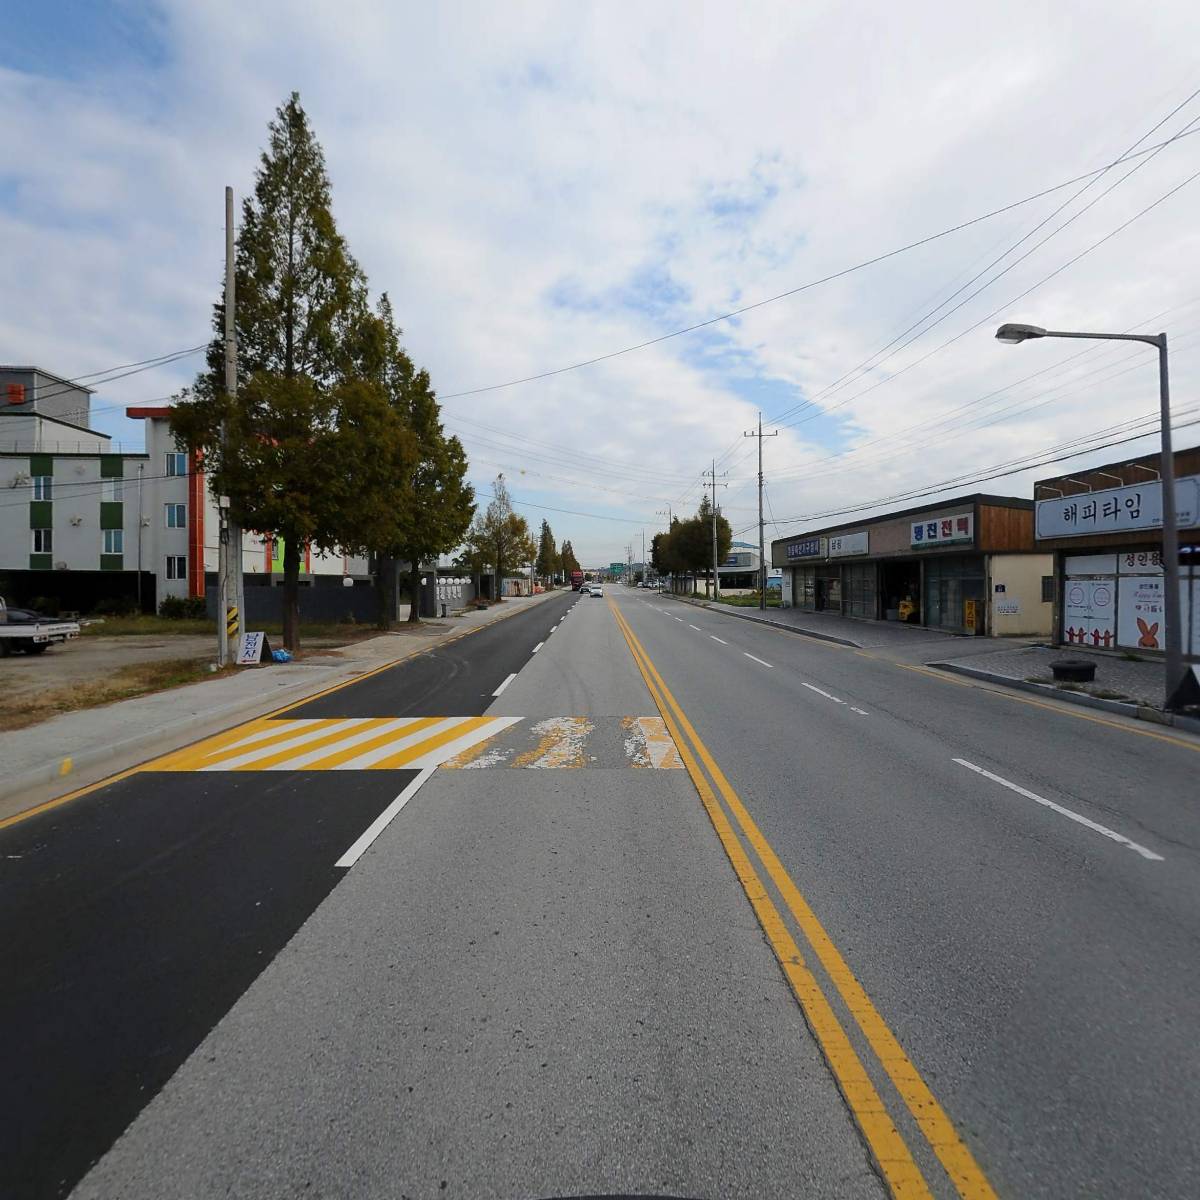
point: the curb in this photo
(1123, 708)
(71, 771)
(726, 610)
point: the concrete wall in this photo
(1021, 577)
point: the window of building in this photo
(176, 566)
(114, 541)
(1047, 589)
(112, 490)
(43, 541)
(43, 487)
(176, 516)
(176, 463)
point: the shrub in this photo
(178, 608)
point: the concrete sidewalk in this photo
(79, 748)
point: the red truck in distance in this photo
(576, 580)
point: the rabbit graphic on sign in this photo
(1140, 612)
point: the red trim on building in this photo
(196, 528)
(140, 413)
(268, 553)
(307, 559)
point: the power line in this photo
(1148, 420)
(737, 312)
(1007, 304)
(874, 360)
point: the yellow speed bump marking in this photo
(887, 1145)
(952, 1152)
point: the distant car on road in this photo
(585, 589)
(596, 589)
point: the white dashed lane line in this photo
(695, 627)
(537, 647)
(813, 688)
(717, 639)
(758, 660)
(1086, 822)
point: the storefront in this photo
(964, 566)
(1104, 528)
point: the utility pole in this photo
(762, 560)
(716, 587)
(666, 512)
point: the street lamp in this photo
(1173, 635)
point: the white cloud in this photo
(537, 184)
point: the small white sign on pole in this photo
(250, 649)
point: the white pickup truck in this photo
(31, 632)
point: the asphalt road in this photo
(133, 918)
(691, 907)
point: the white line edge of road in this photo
(1095, 826)
(537, 647)
(758, 660)
(382, 821)
(505, 684)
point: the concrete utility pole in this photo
(762, 559)
(230, 616)
(716, 587)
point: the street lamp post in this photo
(1173, 635)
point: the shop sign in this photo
(1141, 562)
(1140, 609)
(1089, 612)
(805, 548)
(848, 543)
(1116, 510)
(943, 531)
(739, 559)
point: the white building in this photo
(83, 519)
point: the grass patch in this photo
(168, 627)
(137, 679)
(750, 601)
(144, 623)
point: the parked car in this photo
(23, 629)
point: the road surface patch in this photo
(571, 743)
(337, 744)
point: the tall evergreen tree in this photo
(567, 559)
(296, 467)
(435, 503)
(547, 556)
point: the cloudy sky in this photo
(542, 184)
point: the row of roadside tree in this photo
(686, 549)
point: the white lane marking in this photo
(505, 684)
(679, 619)
(862, 712)
(382, 821)
(757, 660)
(537, 647)
(827, 696)
(695, 627)
(553, 628)
(717, 639)
(1103, 830)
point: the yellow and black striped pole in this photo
(231, 621)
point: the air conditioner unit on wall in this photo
(60, 566)
(76, 520)
(20, 479)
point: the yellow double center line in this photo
(886, 1142)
